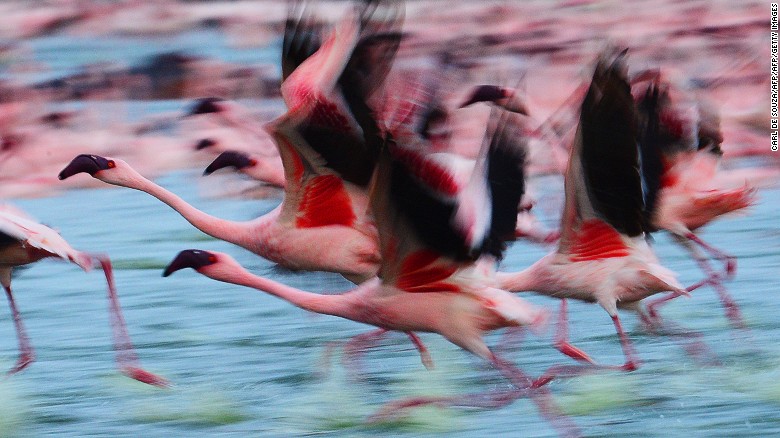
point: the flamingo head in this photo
(206, 105)
(216, 265)
(238, 160)
(106, 169)
(86, 163)
(205, 143)
(190, 258)
(502, 96)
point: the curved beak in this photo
(239, 160)
(190, 258)
(205, 143)
(90, 164)
(205, 106)
(484, 93)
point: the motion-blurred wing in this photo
(20, 227)
(301, 38)
(604, 198)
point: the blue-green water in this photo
(248, 364)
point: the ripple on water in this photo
(14, 408)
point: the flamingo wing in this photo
(301, 38)
(329, 139)
(603, 187)
(329, 93)
(431, 223)
(15, 225)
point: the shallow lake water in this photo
(246, 363)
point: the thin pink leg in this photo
(522, 387)
(632, 363)
(729, 261)
(540, 395)
(733, 313)
(732, 309)
(562, 337)
(512, 336)
(486, 400)
(354, 348)
(425, 356)
(654, 304)
(126, 357)
(26, 353)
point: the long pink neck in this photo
(336, 305)
(234, 232)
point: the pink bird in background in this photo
(681, 141)
(602, 256)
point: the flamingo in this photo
(686, 149)
(602, 256)
(230, 122)
(269, 171)
(24, 241)
(683, 139)
(438, 241)
(327, 141)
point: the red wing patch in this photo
(327, 114)
(597, 240)
(320, 111)
(669, 180)
(325, 203)
(417, 274)
(431, 174)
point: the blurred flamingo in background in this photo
(24, 241)
(269, 171)
(602, 256)
(682, 140)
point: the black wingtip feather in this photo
(609, 155)
(506, 179)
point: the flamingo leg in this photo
(126, 357)
(522, 386)
(563, 345)
(425, 356)
(512, 336)
(733, 312)
(654, 304)
(732, 309)
(632, 363)
(26, 352)
(729, 261)
(562, 337)
(354, 348)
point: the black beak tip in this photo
(189, 258)
(205, 143)
(84, 163)
(484, 93)
(239, 160)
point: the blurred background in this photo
(115, 78)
